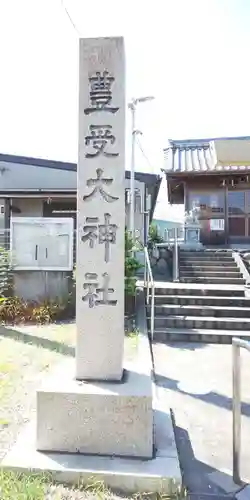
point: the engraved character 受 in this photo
(99, 138)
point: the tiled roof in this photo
(196, 157)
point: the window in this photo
(209, 202)
(237, 226)
(236, 202)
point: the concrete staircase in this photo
(208, 304)
(209, 266)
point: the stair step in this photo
(204, 258)
(198, 335)
(206, 252)
(207, 263)
(210, 274)
(210, 269)
(208, 300)
(177, 321)
(185, 289)
(220, 280)
(215, 311)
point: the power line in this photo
(69, 16)
(143, 153)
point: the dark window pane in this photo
(248, 201)
(236, 202)
(236, 226)
(208, 202)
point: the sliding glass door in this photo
(238, 206)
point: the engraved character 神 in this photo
(104, 233)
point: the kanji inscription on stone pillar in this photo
(101, 210)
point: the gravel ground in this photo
(26, 354)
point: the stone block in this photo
(96, 418)
(160, 475)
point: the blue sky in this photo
(192, 55)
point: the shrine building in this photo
(213, 174)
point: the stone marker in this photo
(97, 415)
(101, 210)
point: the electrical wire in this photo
(144, 154)
(69, 16)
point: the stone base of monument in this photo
(101, 418)
(161, 474)
(116, 433)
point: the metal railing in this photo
(149, 283)
(175, 257)
(174, 246)
(237, 344)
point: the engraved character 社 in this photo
(100, 93)
(97, 295)
(98, 183)
(104, 233)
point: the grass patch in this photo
(4, 422)
(133, 338)
(15, 486)
(20, 486)
(6, 368)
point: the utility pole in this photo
(132, 106)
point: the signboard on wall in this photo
(41, 243)
(217, 225)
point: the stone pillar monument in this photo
(101, 210)
(98, 410)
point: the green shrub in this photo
(132, 265)
(154, 237)
(5, 272)
(15, 310)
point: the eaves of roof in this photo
(196, 157)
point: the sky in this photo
(191, 55)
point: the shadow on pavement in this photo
(185, 346)
(27, 338)
(201, 480)
(212, 398)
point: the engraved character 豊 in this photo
(100, 93)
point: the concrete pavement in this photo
(195, 380)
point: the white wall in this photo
(25, 177)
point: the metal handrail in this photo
(176, 257)
(149, 282)
(175, 247)
(237, 344)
